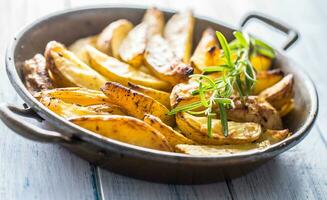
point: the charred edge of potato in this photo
(280, 93)
(110, 39)
(266, 79)
(36, 75)
(135, 103)
(172, 136)
(125, 129)
(156, 21)
(160, 96)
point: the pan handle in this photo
(292, 35)
(9, 115)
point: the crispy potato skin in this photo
(115, 70)
(36, 75)
(261, 63)
(207, 53)
(195, 128)
(125, 129)
(266, 79)
(162, 61)
(110, 39)
(78, 47)
(68, 110)
(172, 136)
(67, 70)
(135, 103)
(160, 96)
(179, 34)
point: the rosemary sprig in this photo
(237, 73)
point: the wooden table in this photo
(30, 170)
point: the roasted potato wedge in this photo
(36, 75)
(195, 128)
(78, 48)
(68, 110)
(207, 53)
(136, 103)
(162, 61)
(280, 93)
(155, 20)
(115, 70)
(286, 108)
(125, 129)
(266, 79)
(158, 95)
(67, 70)
(179, 34)
(173, 137)
(274, 136)
(261, 63)
(182, 93)
(110, 39)
(75, 95)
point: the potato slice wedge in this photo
(286, 108)
(78, 48)
(179, 34)
(115, 70)
(75, 95)
(280, 93)
(158, 95)
(274, 136)
(207, 53)
(36, 75)
(125, 129)
(172, 136)
(67, 70)
(155, 20)
(195, 128)
(266, 79)
(68, 110)
(261, 63)
(110, 39)
(136, 103)
(162, 61)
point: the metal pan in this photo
(153, 165)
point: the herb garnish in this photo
(237, 76)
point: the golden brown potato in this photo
(67, 70)
(182, 93)
(125, 129)
(162, 61)
(160, 96)
(155, 20)
(76, 95)
(261, 63)
(110, 39)
(266, 79)
(195, 128)
(274, 136)
(67, 110)
(280, 93)
(286, 108)
(179, 34)
(36, 75)
(207, 53)
(115, 70)
(135, 103)
(78, 48)
(172, 136)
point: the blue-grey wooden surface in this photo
(30, 170)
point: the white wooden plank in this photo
(31, 170)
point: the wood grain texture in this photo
(31, 170)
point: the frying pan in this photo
(67, 26)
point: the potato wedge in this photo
(115, 70)
(274, 136)
(286, 108)
(261, 63)
(75, 95)
(266, 79)
(36, 75)
(125, 129)
(110, 39)
(182, 93)
(160, 96)
(78, 48)
(162, 61)
(172, 136)
(207, 53)
(280, 93)
(68, 110)
(195, 128)
(155, 20)
(135, 103)
(179, 34)
(67, 70)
